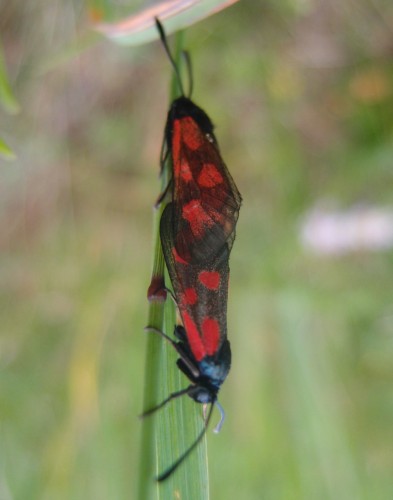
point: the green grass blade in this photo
(323, 454)
(169, 432)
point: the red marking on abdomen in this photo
(197, 217)
(210, 279)
(191, 134)
(209, 176)
(177, 257)
(193, 337)
(211, 335)
(190, 296)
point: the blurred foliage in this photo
(133, 24)
(7, 102)
(301, 94)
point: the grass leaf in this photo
(178, 424)
(139, 28)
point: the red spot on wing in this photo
(211, 335)
(210, 279)
(195, 214)
(209, 176)
(185, 171)
(177, 257)
(190, 296)
(191, 133)
(176, 140)
(194, 339)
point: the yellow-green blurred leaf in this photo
(5, 151)
(7, 98)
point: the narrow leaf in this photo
(139, 28)
(168, 433)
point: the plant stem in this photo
(177, 424)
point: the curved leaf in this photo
(140, 27)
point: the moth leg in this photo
(164, 154)
(162, 196)
(180, 333)
(178, 348)
(172, 295)
(162, 334)
(174, 395)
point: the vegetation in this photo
(301, 94)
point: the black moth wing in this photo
(185, 277)
(202, 233)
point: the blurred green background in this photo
(301, 93)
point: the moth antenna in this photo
(174, 395)
(168, 52)
(174, 466)
(187, 59)
(218, 427)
